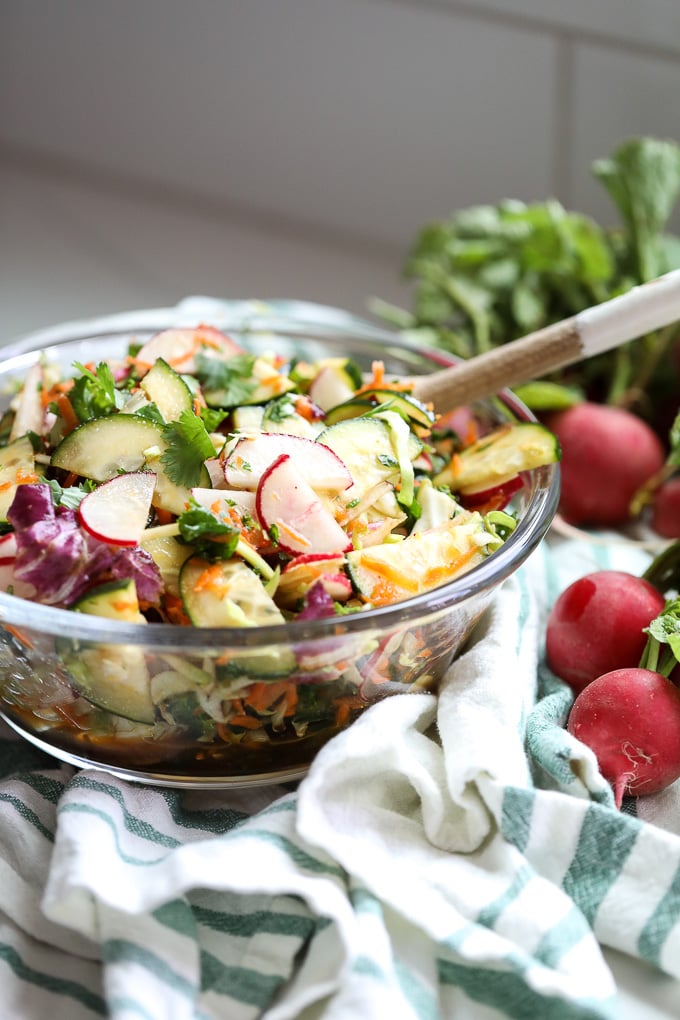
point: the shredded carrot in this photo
(472, 432)
(263, 695)
(292, 533)
(71, 479)
(304, 408)
(211, 579)
(246, 722)
(67, 414)
(175, 611)
(345, 706)
(164, 516)
(276, 382)
(455, 465)
(378, 382)
(22, 638)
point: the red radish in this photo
(607, 455)
(630, 719)
(304, 571)
(596, 625)
(179, 346)
(316, 463)
(494, 498)
(8, 548)
(666, 509)
(117, 511)
(290, 509)
(8, 582)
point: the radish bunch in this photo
(616, 641)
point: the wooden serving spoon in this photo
(593, 331)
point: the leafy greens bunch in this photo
(492, 273)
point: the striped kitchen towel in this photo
(427, 867)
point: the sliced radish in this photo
(8, 582)
(304, 571)
(117, 511)
(338, 586)
(287, 505)
(330, 387)
(8, 548)
(179, 346)
(497, 496)
(315, 463)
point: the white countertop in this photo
(71, 249)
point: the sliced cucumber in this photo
(248, 418)
(229, 594)
(406, 405)
(168, 495)
(354, 408)
(115, 600)
(114, 677)
(103, 447)
(17, 466)
(500, 456)
(366, 447)
(168, 554)
(167, 390)
(225, 594)
(384, 574)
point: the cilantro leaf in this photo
(212, 417)
(188, 447)
(214, 539)
(226, 383)
(151, 413)
(94, 394)
(71, 496)
(279, 409)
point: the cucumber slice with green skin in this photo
(17, 466)
(229, 594)
(103, 447)
(113, 677)
(404, 404)
(167, 390)
(500, 456)
(354, 408)
(366, 448)
(115, 600)
(168, 555)
(168, 495)
(225, 594)
(384, 574)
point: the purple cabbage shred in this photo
(62, 561)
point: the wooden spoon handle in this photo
(605, 326)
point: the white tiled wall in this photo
(295, 146)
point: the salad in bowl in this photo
(223, 536)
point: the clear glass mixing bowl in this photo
(340, 666)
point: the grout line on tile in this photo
(538, 25)
(76, 174)
(563, 120)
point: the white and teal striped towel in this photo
(426, 868)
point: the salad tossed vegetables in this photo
(196, 484)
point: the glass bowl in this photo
(338, 667)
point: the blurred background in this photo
(151, 149)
